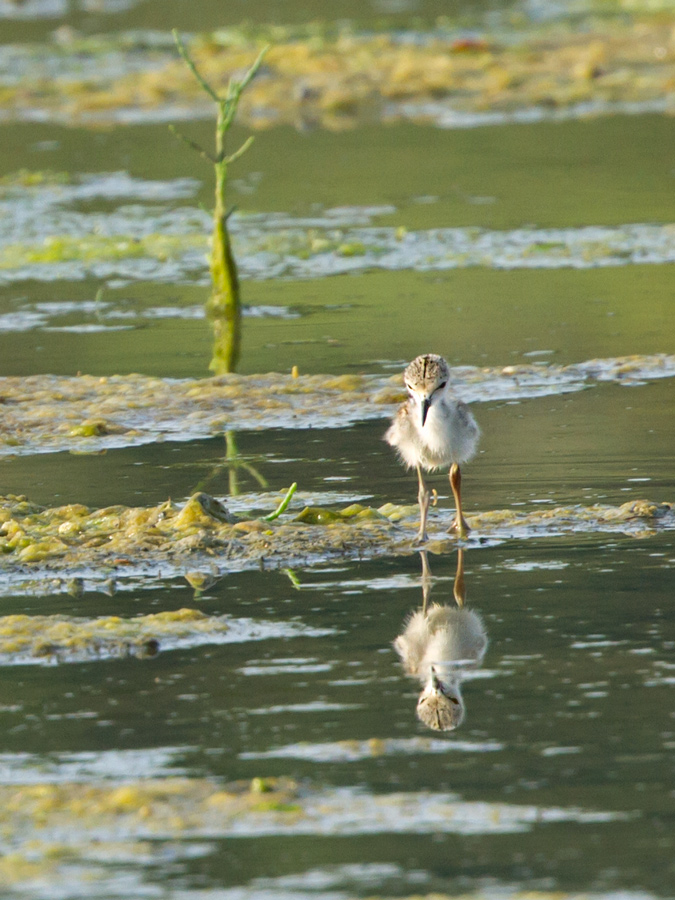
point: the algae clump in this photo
(202, 533)
(24, 638)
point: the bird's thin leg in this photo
(426, 581)
(423, 500)
(459, 525)
(458, 588)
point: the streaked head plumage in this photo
(440, 706)
(425, 377)
(426, 374)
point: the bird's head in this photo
(426, 378)
(440, 705)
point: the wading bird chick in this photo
(433, 429)
(438, 647)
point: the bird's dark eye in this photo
(441, 385)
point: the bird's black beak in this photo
(426, 403)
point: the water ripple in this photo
(353, 751)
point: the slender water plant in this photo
(224, 305)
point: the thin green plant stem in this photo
(191, 66)
(224, 306)
(281, 508)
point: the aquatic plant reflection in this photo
(234, 463)
(438, 646)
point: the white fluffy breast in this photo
(449, 435)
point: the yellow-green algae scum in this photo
(50, 825)
(47, 413)
(75, 538)
(331, 75)
(54, 826)
(202, 540)
(58, 638)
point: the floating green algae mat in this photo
(49, 639)
(152, 807)
(63, 637)
(48, 413)
(334, 76)
(118, 536)
(182, 808)
(118, 540)
(50, 828)
(96, 248)
(322, 251)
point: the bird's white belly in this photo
(436, 441)
(449, 435)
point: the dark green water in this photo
(109, 17)
(561, 778)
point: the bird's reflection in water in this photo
(439, 646)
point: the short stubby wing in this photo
(463, 432)
(404, 437)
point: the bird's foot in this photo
(422, 538)
(460, 527)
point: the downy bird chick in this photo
(437, 647)
(433, 429)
